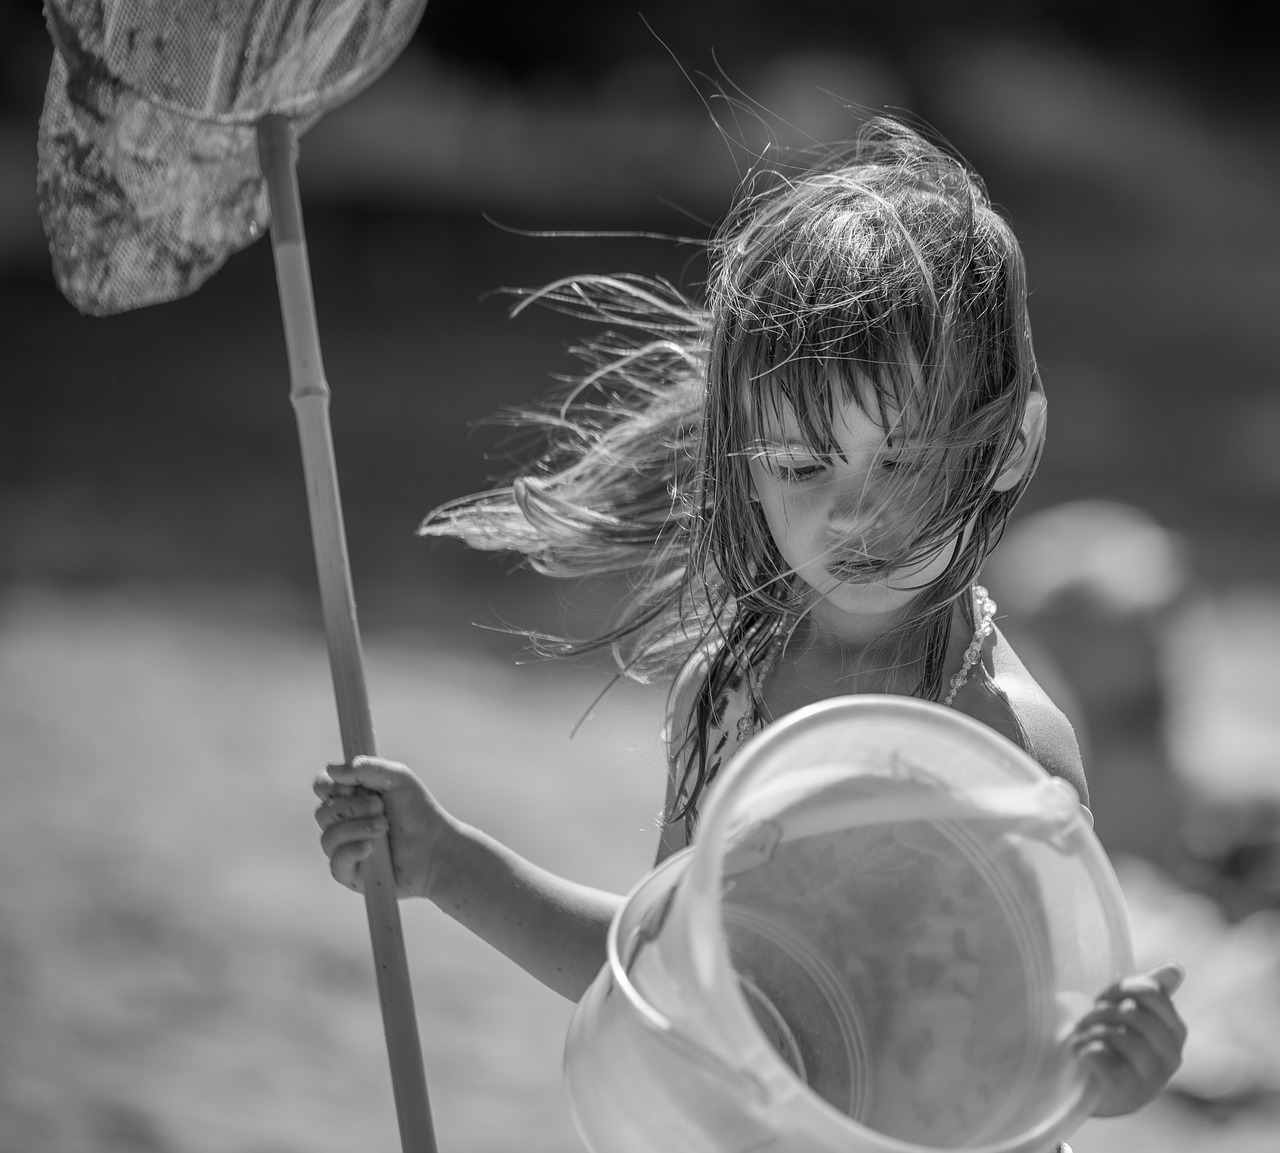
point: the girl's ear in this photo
(1030, 437)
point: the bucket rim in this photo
(775, 1085)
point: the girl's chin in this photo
(875, 595)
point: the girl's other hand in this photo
(1131, 1040)
(371, 798)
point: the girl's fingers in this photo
(368, 772)
(1156, 1026)
(346, 862)
(1140, 999)
(346, 807)
(1112, 1070)
(1168, 976)
(1164, 979)
(354, 811)
(1130, 1050)
(344, 833)
(1124, 1061)
(323, 786)
(1122, 1089)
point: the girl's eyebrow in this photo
(793, 447)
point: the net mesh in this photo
(147, 172)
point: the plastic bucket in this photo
(886, 928)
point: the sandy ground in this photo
(177, 970)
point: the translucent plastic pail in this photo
(886, 928)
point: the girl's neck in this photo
(847, 634)
(832, 652)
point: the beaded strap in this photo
(984, 611)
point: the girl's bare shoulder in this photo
(1010, 700)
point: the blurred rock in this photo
(1230, 999)
(1091, 588)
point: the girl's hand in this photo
(1131, 1040)
(371, 798)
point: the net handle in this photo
(310, 397)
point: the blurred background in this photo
(177, 971)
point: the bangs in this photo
(834, 297)
(812, 388)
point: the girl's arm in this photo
(553, 928)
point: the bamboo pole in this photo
(310, 396)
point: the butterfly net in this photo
(147, 170)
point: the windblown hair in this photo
(881, 274)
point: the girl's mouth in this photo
(856, 569)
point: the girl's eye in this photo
(799, 473)
(904, 463)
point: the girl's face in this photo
(820, 514)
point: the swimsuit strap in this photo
(984, 612)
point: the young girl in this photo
(801, 480)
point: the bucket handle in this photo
(1052, 803)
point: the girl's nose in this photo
(852, 509)
(860, 523)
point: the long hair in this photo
(617, 485)
(881, 274)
